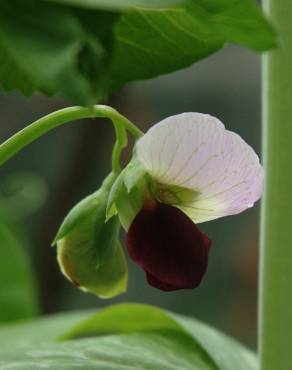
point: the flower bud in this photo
(88, 250)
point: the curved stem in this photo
(120, 144)
(38, 128)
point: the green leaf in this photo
(88, 250)
(17, 290)
(23, 191)
(123, 318)
(40, 330)
(83, 54)
(118, 4)
(40, 47)
(20, 195)
(123, 336)
(225, 352)
(239, 22)
(151, 351)
(149, 43)
(236, 356)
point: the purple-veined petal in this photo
(195, 151)
(168, 246)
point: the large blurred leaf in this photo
(152, 42)
(40, 330)
(240, 22)
(40, 48)
(123, 336)
(84, 54)
(20, 195)
(128, 318)
(151, 351)
(17, 290)
(118, 4)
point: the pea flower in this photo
(187, 169)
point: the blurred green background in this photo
(41, 184)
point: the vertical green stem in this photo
(276, 228)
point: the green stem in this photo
(120, 144)
(38, 128)
(275, 315)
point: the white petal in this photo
(195, 151)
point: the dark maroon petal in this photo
(153, 281)
(169, 247)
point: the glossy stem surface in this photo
(43, 125)
(275, 309)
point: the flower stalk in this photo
(275, 312)
(43, 125)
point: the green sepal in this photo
(127, 194)
(111, 209)
(134, 173)
(128, 204)
(87, 221)
(106, 281)
(87, 246)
